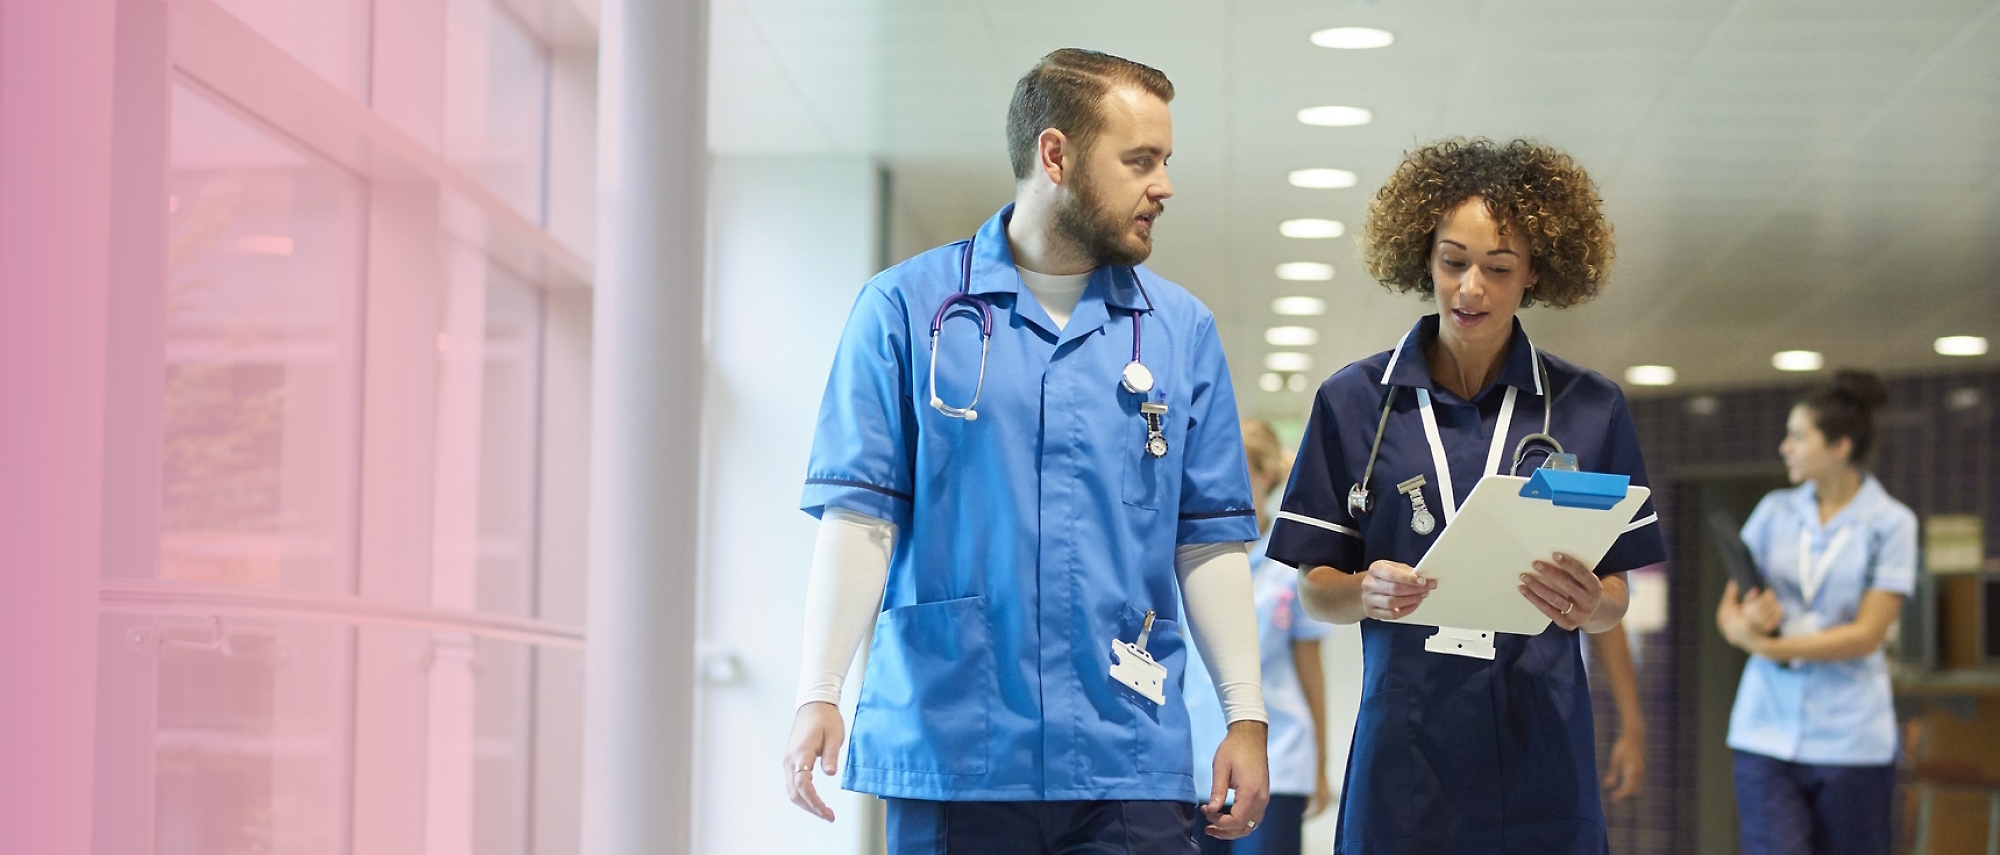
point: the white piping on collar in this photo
(1535, 356)
(1395, 355)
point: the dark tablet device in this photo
(1724, 534)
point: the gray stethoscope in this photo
(1360, 501)
(1136, 378)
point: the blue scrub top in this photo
(1838, 712)
(1030, 538)
(1453, 754)
(1292, 747)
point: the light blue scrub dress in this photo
(1453, 754)
(1836, 713)
(1030, 538)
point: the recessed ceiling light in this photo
(1353, 38)
(1271, 381)
(1321, 179)
(1296, 382)
(1651, 375)
(1335, 117)
(1299, 307)
(1310, 228)
(1798, 360)
(1288, 361)
(1960, 345)
(1305, 271)
(1291, 336)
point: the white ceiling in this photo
(1817, 174)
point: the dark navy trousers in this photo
(920, 827)
(1803, 809)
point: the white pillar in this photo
(645, 429)
(56, 85)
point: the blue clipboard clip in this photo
(1594, 490)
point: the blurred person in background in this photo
(1813, 728)
(1294, 681)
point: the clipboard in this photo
(1734, 554)
(1506, 525)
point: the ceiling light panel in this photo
(1288, 362)
(1305, 271)
(1798, 360)
(1651, 375)
(1312, 229)
(1960, 345)
(1335, 116)
(1321, 179)
(1353, 38)
(1299, 307)
(1291, 336)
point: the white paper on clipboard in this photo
(1498, 534)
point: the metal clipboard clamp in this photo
(1506, 525)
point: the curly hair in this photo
(1528, 186)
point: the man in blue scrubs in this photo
(1015, 492)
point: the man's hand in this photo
(816, 736)
(1626, 766)
(1240, 765)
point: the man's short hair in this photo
(1066, 91)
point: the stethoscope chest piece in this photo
(1136, 378)
(1359, 501)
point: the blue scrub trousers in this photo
(921, 827)
(1804, 809)
(1281, 832)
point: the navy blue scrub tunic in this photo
(1450, 753)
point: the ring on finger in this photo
(1572, 604)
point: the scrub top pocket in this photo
(1149, 480)
(1159, 731)
(933, 660)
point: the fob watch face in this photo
(1157, 446)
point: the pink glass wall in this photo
(277, 437)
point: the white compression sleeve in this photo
(850, 568)
(1215, 584)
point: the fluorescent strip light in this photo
(1288, 362)
(1299, 307)
(1651, 375)
(1353, 38)
(1335, 117)
(1960, 345)
(1798, 360)
(1291, 336)
(1321, 179)
(1305, 271)
(1312, 229)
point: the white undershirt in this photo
(850, 569)
(1057, 294)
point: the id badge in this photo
(1132, 666)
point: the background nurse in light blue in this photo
(1813, 729)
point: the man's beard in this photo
(1098, 233)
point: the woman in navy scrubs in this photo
(1453, 753)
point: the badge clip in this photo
(1135, 668)
(1472, 643)
(1421, 520)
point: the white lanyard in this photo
(1437, 446)
(1813, 574)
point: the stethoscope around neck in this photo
(1136, 378)
(1360, 501)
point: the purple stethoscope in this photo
(1136, 378)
